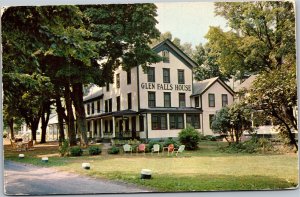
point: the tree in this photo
(185, 47)
(208, 66)
(122, 34)
(275, 93)
(232, 121)
(261, 38)
(32, 41)
(24, 97)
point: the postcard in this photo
(131, 98)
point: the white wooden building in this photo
(158, 102)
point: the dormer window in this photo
(165, 55)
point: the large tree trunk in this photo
(34, 123)
(77, 97)
(290, 134)
(45, 119)
(11, 127)
(70, 117)
(34, 127)
(60, 115)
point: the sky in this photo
(188, 21)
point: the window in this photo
(224, 100)
(211, 100)
(88, 109)
(181, 99)
(118, 80)
(159, 121)
(106, 106)
(118, 103)
(181, 76)
(129, 77)
(107, 87)
(167, 99)
(151, 99)
(129, 101)
(176, 121)
(151, 74)
(141, 123)
(110, 105)
(111, 126)
(98, 106)
(93, 108)
(166, 75)
(166, 58)
(193, 120)
(197, 101)
(211, 119)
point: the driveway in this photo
(25, 179)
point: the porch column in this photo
(184, 120)
(101, 128)
(114, 127)
(168, 124)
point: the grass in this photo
(202, 170)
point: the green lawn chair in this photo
(127, 148)
(155, 148)
(180, 149)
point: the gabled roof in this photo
(167, 44)
(200, 87)
(246, 85)
(94, 96)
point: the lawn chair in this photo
(155, 148)
(141, 148)
(127, 148)
(170, 148)
(179, 150)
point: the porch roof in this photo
(116, 113)
(173, 110)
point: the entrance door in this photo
(120, 129)
(133, 126)
(95, 128)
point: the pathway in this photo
(26, 179)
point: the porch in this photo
(124, 124)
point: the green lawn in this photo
(202, 170)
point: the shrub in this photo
(4, 134)
(76, 151)
(94, 150)
(250, 146)
(134, 147)
(152, 142)
(169, 141)
(64, 148)
(113, 150)
(189, 137)
(211, 138)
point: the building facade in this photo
(157, 101)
